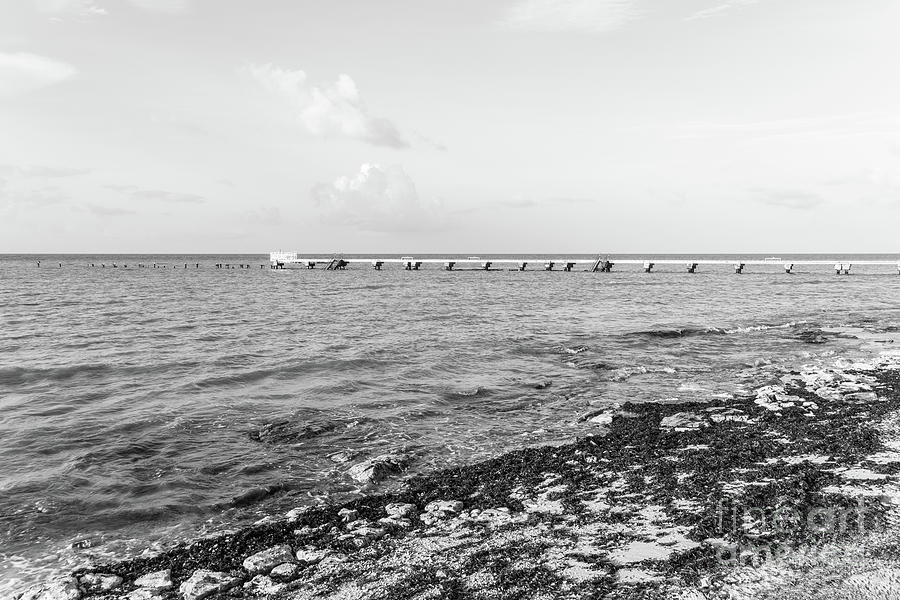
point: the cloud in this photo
(718, 9)
(157, 195)
(79, 8)
(377, 199)
(108, 211)
(330, 110)
(22, 72)
(788, 198)
(586, 16)
(91, 8)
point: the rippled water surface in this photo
(129, 396)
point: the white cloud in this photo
(80, 8)
(163, 6)
(331, 110)
(90, 8)
(718, 9)
(588, 16)
(377, 199)
(788, 198)
(22, 72)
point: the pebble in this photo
(158, 580)
(295, 513)
(205, 583)
(399, 509)
(348, 515)
(311, 556)
(266, 560)
(444, 507)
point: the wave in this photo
(676, 332)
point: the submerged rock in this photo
(205, 583)
(266, 560)
(376, 469)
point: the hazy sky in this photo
(455, 126)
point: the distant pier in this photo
(291, 260)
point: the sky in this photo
(471, 126)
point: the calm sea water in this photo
(128, 396)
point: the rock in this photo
(348, 515)
(204, 583)
(294, 514)
(682, 421)
(100, 582)
(376, 469)
(311, 556)
(395, 522)
(263, 586)
(284, 572)
(266, 560)
(158, 580)
(399, 509)
(443, 507)
(370, 533)
(65, 588)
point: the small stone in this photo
(158, 580)
(205, 583)
(682, 421)
(101, 582)
(311, 556)
(400, 509)
(284, 572)
(264, 561)
(295, 513)
(395, 522)
(444, 507)
(348, 515)
(263, 586)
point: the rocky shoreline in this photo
(739, 497)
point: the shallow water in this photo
(129, 396)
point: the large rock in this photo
(376, 469)
(265, 561)
(205, 583)
(60, 589)
(158, 580)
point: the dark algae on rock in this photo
(740, 497)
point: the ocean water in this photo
(129, 396)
